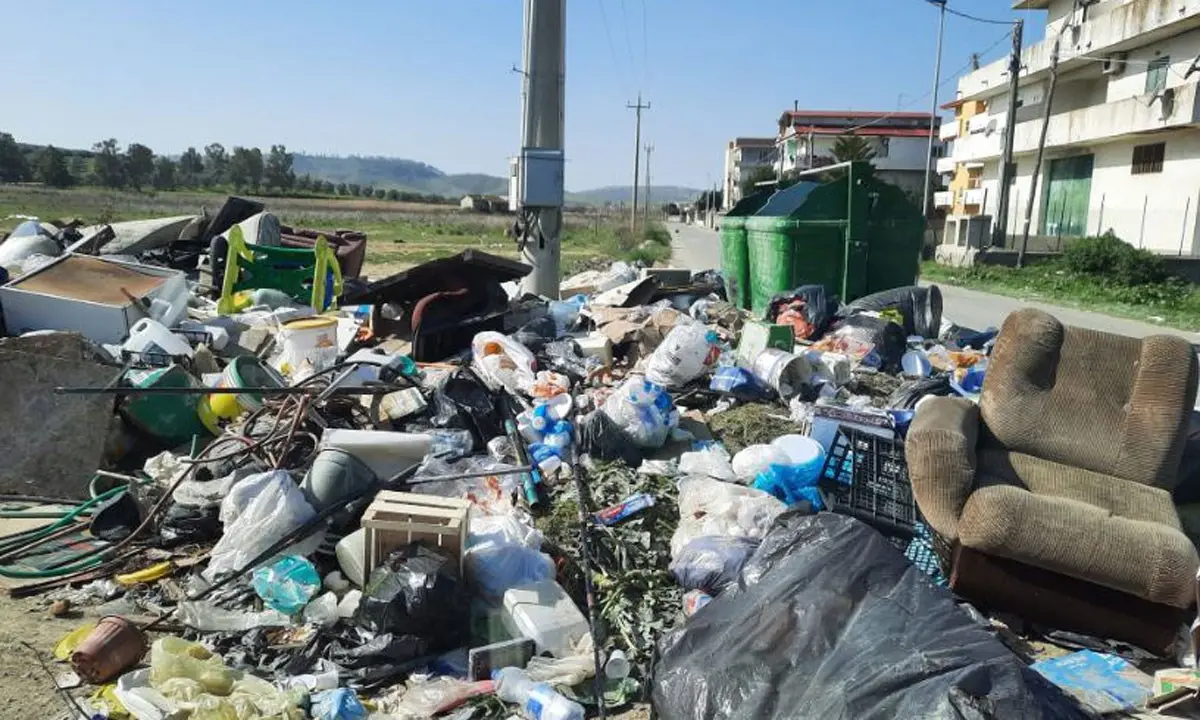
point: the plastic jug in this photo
(351, 556)
(544, 613)
(151, 336)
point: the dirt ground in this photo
(26, 691)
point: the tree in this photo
(51, 168)
(851, 148)
(13, 165)
(355, 189)
(279, 168)
(239, 167)
(762, 173)
(327, 187)
(368, 191)
(393, 194)
(380, 194)
(342, 189)
(78, 166)
(164, 174)
(217, 163)
(107, 164)
(304, 182)
(139, 165)
(255, 167)
(191, 167)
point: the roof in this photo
(753, 142)
(866, 114)
(865, 131)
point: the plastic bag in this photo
(808, 309)
(172, 657)
(503, 362)
(256, 513)
(738, 382)
(712, 507)
(502, 553)
(712, 562)
(860, 335)
(792, 485)
(756, 459)
(712, 461)
(339, 704)
(602, 439)
(416, 592)
(644, 411)
(429, 698)
(686, 353)
(287, 584)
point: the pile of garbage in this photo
(288, 493)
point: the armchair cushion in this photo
(1142, 553)
(940, 449)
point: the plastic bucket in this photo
(241, 372)
(170, 418)
(309, 346)
(781, 371)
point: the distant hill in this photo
(622, 194)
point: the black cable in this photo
(966, 16)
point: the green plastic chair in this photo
(301, 273)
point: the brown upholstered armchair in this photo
(1054, 491)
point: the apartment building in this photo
(899, 141)
(742, 157)
(1123, 141)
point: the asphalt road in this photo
(700, 249)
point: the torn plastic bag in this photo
(537, 332)
(712, 507)
(503, 362)
(564, 357)
(256, 513)
(808, 309)
(461, 402)
(385, 649)
(888, 338)
(712, 562)
(116, 518)
(503, 553)
(829, 620)
(185, 524)
(921, 308)
(416, 592)
(602, 439)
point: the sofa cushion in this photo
(1150, 559)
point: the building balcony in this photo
(985, 123)
(948, 131)
(1112, 29)
(946, 165)
(975, 197)
(1097, 123)
(943, 199)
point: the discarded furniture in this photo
(350, 246)
(396, 519)
(1055, 490)
(446, 302)
(311, 277)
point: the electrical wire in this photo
(612, 49)
(966, 16)
(645, 49)
(625, 32)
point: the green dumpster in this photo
(851, 233)
(735, 259)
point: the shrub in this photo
(1109, 257)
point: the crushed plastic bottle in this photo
(538, 701)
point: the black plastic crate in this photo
(866, 476)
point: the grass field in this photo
(400, 234)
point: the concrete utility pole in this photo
(933, 113)
(646, 210)
(637, 158)
(1000, 233)
(542, 130)
(1041, 150)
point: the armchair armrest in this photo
(940, 450)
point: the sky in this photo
(433, 80)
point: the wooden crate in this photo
(396, 519)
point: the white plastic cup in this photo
(617, 667)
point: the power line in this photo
(977, 19)
(645, 48)
(625, 31)
(612, 50)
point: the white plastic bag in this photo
(502, 553)
(256, 513)
(643, 410)
(503, 362)
(712, 461)
(756, 459)
(712, 507)
(686, 353)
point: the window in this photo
(1148, 158)
(1156, 75)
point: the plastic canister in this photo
(544, 613)
(806, 455)
(309, 346)
(152, 337)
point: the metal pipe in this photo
(287, 391)
(933, 116)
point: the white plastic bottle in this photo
(538, 701)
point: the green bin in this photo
(853, 234)
(735, 259)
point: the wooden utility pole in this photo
(1000, 234)
(637, 158)
(646, 210)
(1041, 150)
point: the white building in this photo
(742, 157)
(900, 141)
(1122, 144)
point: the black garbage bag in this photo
(116, 518)
(604, 440)
(812, 301)
(830, 621)
(536, 333)
(910, 393)
(462, 402)
(563, 356)
(185, 524)
(712, 562)
(419, 592)
(921, 308)
(889, 339)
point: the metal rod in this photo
(370, 390)
(470, 475)
(585, 545)
(1142, 233)
(1183, 231)
(933, 112)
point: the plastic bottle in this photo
(559, 435)
(541, 418)
(538, 701)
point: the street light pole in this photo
(933, 117)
